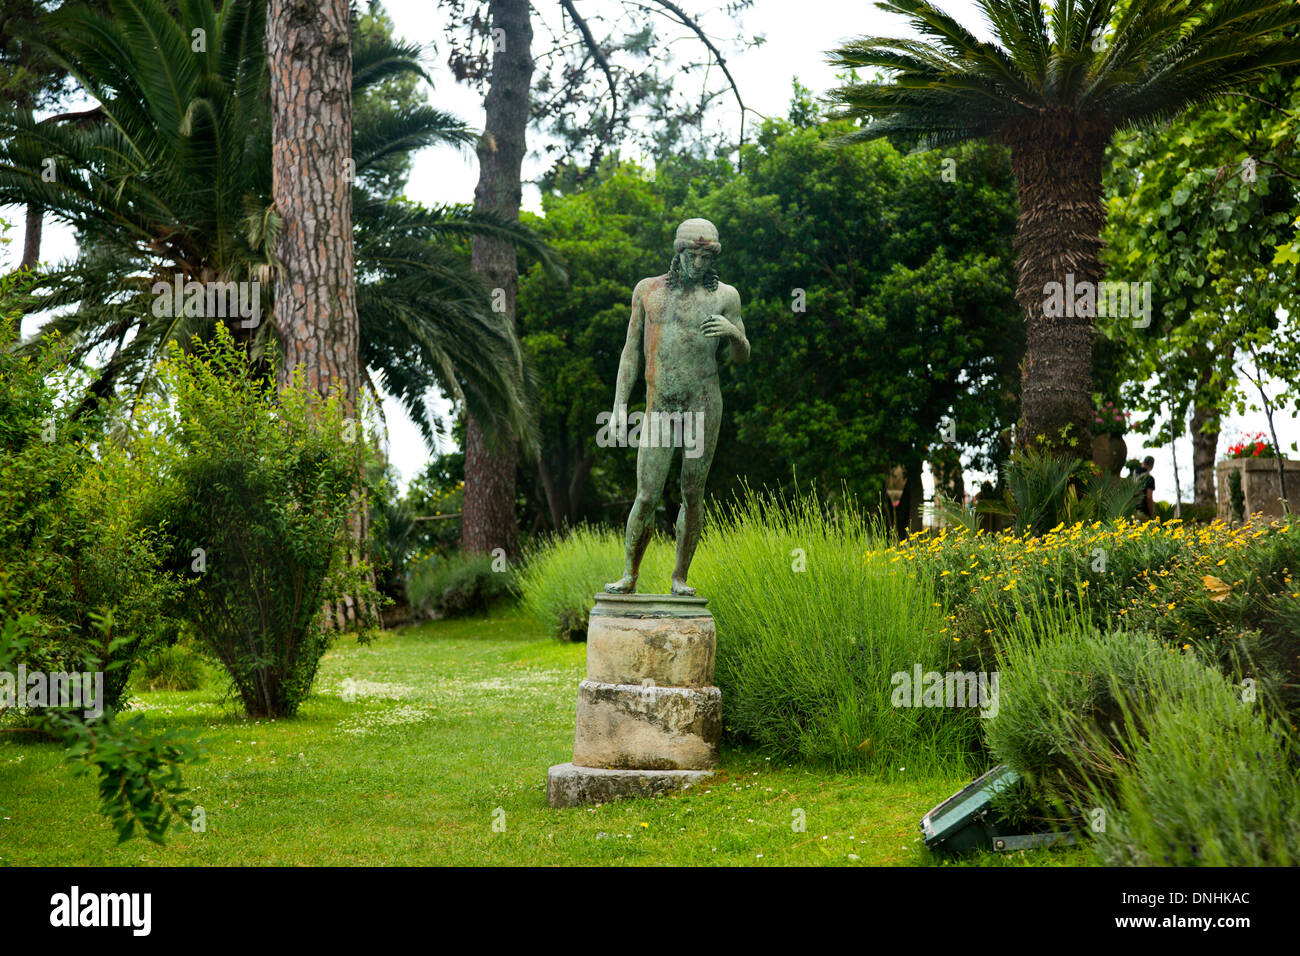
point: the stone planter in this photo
(649, 718)
(1109, 452)
(1259, 486)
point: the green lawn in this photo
(452, 727)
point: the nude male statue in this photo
(677, 322)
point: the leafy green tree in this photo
(611, 235)
(876, 287)
(1057, 84)
(1204, 207)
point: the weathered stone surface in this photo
(631, 642)
(1259, 485)
(568, 785)
(648, 727)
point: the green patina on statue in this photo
(677, 320)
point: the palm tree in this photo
(171, 175)
(1055, 86)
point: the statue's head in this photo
(695, 250)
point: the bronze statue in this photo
(677, 320)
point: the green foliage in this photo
(173, 667)
(1166, 760)
(1229, 593)
(435, 496)
(464, 584)
(139, 774)
(254, 487)
(880, 296)
(73, 547)
(1061, 713)
(1130, 66)
(171, 175)
(1043, 491)
(1204, 780)
(1236, 495)
(812, 622)
(560, 576)
(1203, 206)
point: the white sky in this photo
(798, 34)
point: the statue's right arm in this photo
(629, 364)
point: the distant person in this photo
(1148, 504)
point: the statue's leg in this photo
(695, 474)
(651, 472)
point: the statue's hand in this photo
(719, 325)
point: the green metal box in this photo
(966, 821)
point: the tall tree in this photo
(1203, 204)
(1060, 80)
(309, 67)
(488, 519)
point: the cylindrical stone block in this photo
(637, 639)
(623, 726)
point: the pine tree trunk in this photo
(1057, 166)
(309, 63)
(488, 519)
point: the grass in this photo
(450, 722)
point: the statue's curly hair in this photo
(709, 281)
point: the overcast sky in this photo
(798, 34)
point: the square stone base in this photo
(568, 785)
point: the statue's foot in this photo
(681, 589)
(624, 585)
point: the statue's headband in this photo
(697, 234)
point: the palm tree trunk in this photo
(1057, 166)
(488, 519)
(309, 63)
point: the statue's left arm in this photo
(729, 324)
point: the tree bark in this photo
(309, 65)
(32, 236)
(1057, 164)
(488, 519)
(1205, 445)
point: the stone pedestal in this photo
(649, 718)
(1259, 486)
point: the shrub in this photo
(465, 584)
(1208, 782)
(1061, 713)
(560, 577)
(1043, 490)
(813, 621)
(73, 550)
(1170, 761)
(255, 487)
(177, 667)
(1228, 592)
